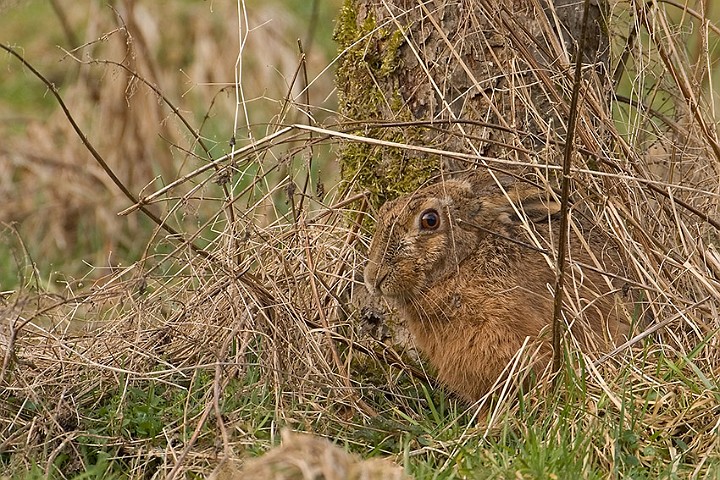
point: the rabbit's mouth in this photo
(381, 284)
(386, 286)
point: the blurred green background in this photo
(58, 215)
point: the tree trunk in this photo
(488, 82)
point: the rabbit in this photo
(458, 261)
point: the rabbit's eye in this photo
(429, 220)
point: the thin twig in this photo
(565, 196)
(96, 155)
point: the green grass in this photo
(566, 433)
(18, 102)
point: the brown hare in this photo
(467, 264)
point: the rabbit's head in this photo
(422, 238)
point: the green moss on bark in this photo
(368, 94)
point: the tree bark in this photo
(490, 79)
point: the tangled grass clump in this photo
(151, 355)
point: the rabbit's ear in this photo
(533, 203)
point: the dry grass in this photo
(243, 321)
(112, 79)
(305, 457)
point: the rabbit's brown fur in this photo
(472, 296)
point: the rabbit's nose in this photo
(377, 284)
(373, 278)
